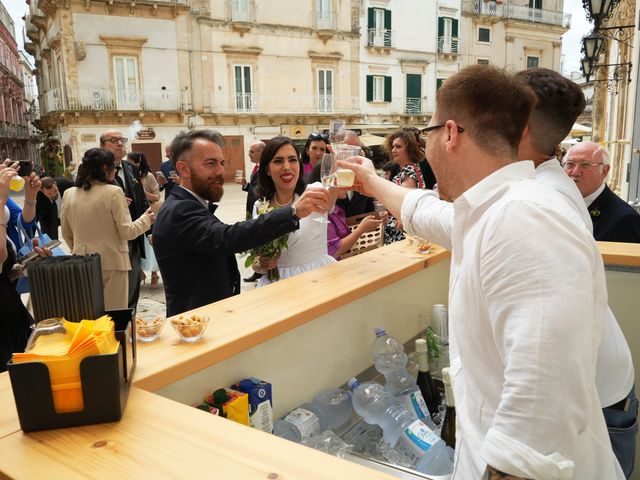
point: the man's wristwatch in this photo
(294, 212)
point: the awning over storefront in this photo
(579, 130)
(369, 140)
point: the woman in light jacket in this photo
(96, 219)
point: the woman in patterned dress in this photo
(404, 150)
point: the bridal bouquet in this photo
(271, 250)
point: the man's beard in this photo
(206, 189)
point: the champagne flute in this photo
(327, 177)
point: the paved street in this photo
(231, 210)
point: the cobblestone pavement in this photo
(152, 302)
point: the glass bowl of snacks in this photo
(190, 327)
(148, 330)
(422, 245)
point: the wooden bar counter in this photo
(302, 334)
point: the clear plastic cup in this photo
(345, 177)
(16, 183)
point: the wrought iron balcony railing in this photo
(517, 12)
(447, 45)
(103, 99)
(379, 37)
(241, 11)
(293, 104)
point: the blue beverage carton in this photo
(260, 403)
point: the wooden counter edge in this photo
(614, 253)
(152, 373)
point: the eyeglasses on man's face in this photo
(115, 140)
(570, 165)
(425, 131)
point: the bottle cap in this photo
(220, 396)
(353, 383)
(380, 332)
(421, 345)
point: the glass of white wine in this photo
(328, 179)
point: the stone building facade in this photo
(516, 34)
(13, 122)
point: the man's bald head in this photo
(591, 176)
(116, 143)
(352, 138)
(255, 151)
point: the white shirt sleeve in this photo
(425, 215)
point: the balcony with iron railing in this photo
(241, 11)
(380, 37)
(22, 132)
(293, 104)
(400, 106)
(516, 12)
(325, 20)
(104, 99)
(447, 45)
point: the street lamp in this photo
(599, 10)
(592, 44)
(585, 65)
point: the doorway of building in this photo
(152, 152)
(233, 152)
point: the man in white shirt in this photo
(524, 354)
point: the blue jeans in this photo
(623, 428)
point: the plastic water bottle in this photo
(330, 409)
(390, 360)
(387, 352)
(405, 433)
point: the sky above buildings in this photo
(571, 41)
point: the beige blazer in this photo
(98, 221)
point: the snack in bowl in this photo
(190, 327)
(423, 246)
(148, 330)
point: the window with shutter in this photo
(387, 89)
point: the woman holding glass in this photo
(280, 184)
(16, 320)
(405, 152)
(96, 219)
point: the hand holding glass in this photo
(327, 177)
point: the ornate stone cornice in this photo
(331, 56)
(241, 50)
(123, 41)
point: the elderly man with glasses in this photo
(588, 165)
(128, 178)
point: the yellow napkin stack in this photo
(63, 352)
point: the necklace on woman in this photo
(275, 200)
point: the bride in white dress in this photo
(280, 182)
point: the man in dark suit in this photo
(614, 220)
(255, 152)
(194, 249)
(128, 178)
(48, 203)
(169, 179)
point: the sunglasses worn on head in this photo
(319, 136)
